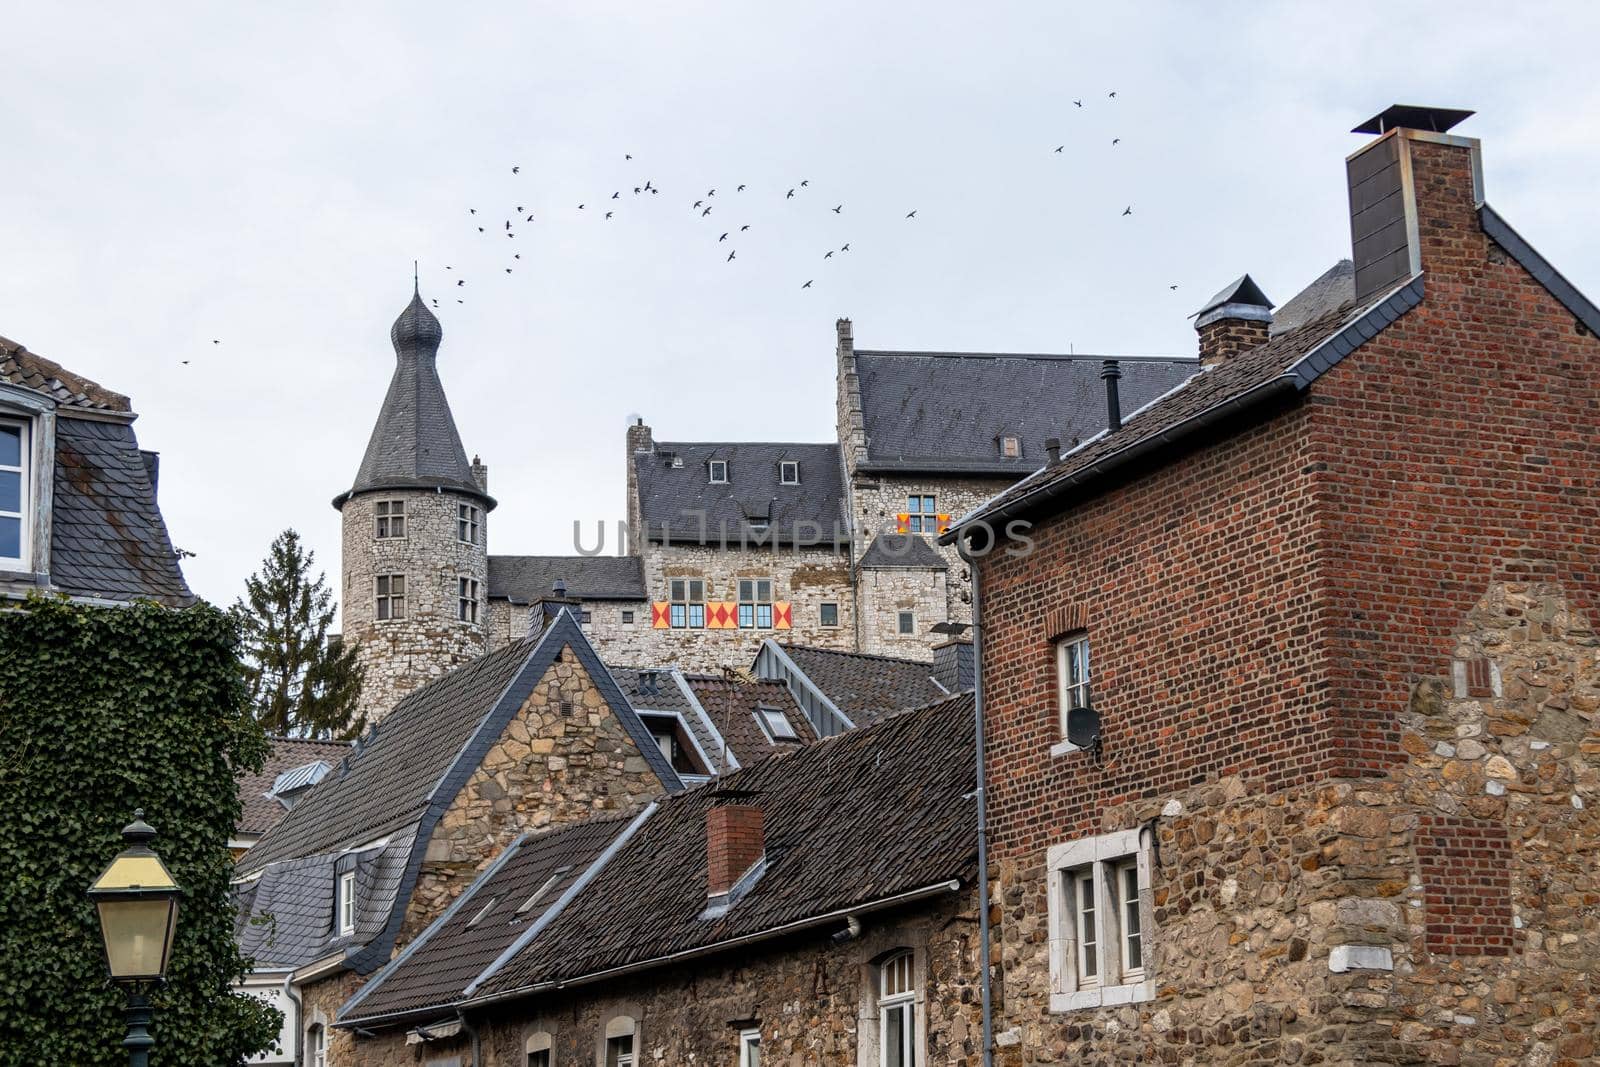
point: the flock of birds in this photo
(512, 220)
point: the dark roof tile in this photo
(678, 501)
(262, 811)
(866, 687)
(528, 579)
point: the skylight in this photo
(777, 724)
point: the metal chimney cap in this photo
(1413, 117)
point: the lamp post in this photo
(138, 905)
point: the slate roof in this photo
(945, 412)
(526, 579)
(896, 551)
(107, 537)
(414, 443)
(32, 371)
(262, 811)
(671, 694)
(1285, 365)
(680, 504)
(890, 805)
(1334, 288)
(866, 687)
(731, 706)
(444, 960)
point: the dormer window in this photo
(346, 917)
(718, 471)
(789, 472)
(14, 511)
(1010, 446)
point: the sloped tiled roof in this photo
(414, 443)
(527, 579)
(866, 687)
(1333, 289)
(891, 551)
(891, 805)
(731, 706)
(261, 811)
(682, 504)
(32, 371)
(945, 412)
(107, 536)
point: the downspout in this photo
(472, 1032)
(299, 1023)
(983, 817)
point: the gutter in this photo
(840, 914)
(299, 1009)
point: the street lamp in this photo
(138, 905)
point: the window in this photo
(755, 603)
(627, 618)
(776, 724)
(538, 1049)
(543, 891)
(467, 602)
(14, 514)
(347, 904)
(467, 519)
(1072, 675)
(828, 614)
(789, 472)
(688, 596)
(750, 1048)
(718, 471)
(671, 739)
(897, 1003)
(482, 912)
(539, 1057)
(318, 1042)
(1099, 889)
(1010, 447)
(921, 515)
(908, 623)
(391, 518)
(391, 596)
(619, 1051)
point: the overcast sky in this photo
(263, 175)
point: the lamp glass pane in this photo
(137, 933)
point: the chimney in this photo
(480, 473)
(1111, 373)
(639, 440)
(953, 665)
(1236, 320)
(1388, 225)
(735, 841)
(1052, 450)
(639, 437)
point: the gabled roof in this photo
(414, 443)
(678, 502)
(526, 579)
(32, 371)
(892, 551)
(261, 810)
(1334, 288)
(732, 704)
(1285, 365)
(891, 805)
(405, 773)
(944, 412)
(863, 687)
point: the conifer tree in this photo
(302, 684)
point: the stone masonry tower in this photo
(415, 545)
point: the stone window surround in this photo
(540, 1040)
(684, 608)
(623, 1022)
(822, 614)
(467, 599)
(387, 515)
(1065, 685)
(316, 1025)
(869, 1052)
(906, 623)
(38, 417)
(1101, 853)
(755, 604)
(469, 520)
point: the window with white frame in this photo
(717, 472)
(391, 596)
(688, 603)
(389, 519)
(467, 599)
(789, 472)
(897, 1012)
(318, 1042)
(749, 1048)
(755, 603)
(15, 516)
(1072, 675)
(468, 517)
(620, 1037)
(1099, 921)
(346, 918)
(1010, 446)
(922, 516)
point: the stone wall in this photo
(620, 640)
(812, 1000)
(563, 758)
(401, 655)
(883, 593)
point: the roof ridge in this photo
(1086, 357)
(857, 655)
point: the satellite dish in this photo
(1083, 727)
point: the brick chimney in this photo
(735, 840)
(1414, 193)
(1236, 320)
(640, 439)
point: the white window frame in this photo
(466, 599)
(1074, 677)
(760, 608)
(24, 473)
(346, 904)
(388, 516)
(619, 1027)
(383, 603)
(901, 1002)
(1099, 865)
(468, 519)
(748, 1040)
(717, 472)
(922, 513)
(789, 472)
(319, 1045)
(1010, 446)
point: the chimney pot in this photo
(1110, 373)
(735, 840)
(1052, 449)
(1236, 320)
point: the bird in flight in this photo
(745, 227)
(508, 270)
(625, 156)
(789, 195)
(519, 209)
(724, 237)
(1112, 94)
(461, 281)
(608, 214)
(616, 194)
(215, 341)
(637, 190)
(807, 285)
(508, 224)
(516, 255)
(711, 192)
(838, 209)
(706, 212)
(530, 218)
(804, 183)
(516, 170)
(184, 362)
(846, 248)
(448, 267)
(696, 205)
(911, 214)
(1078, 102)
(731, 255)
(1128, 210)
(1116, 140)
(580, 207)
(828, 254)
(480, 229)
(740, 189)
(1172, 287)
(472, 211)
(1060, 147)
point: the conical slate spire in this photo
(414, 444)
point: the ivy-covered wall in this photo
(104, 710)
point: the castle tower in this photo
(415, 544)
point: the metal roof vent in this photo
(1412, 117)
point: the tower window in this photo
(789, 472)
(718, 471)
(391, 519)
(467, 602)
(391, 592)
(755, 603)
(14, 512)
(467, 520)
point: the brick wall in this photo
(1466, 880)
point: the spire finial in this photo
(416, 284)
